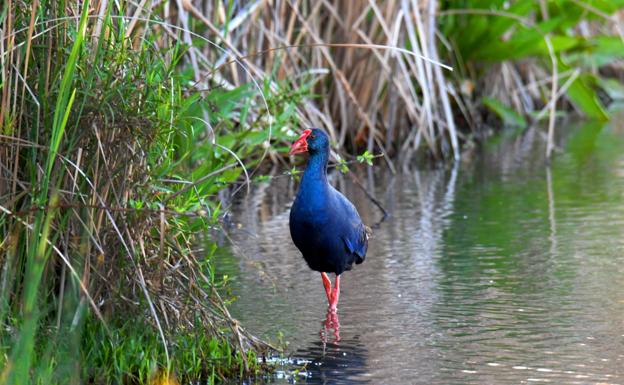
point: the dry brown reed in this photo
(370, 96)
(383, 99)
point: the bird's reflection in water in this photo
(335, 359)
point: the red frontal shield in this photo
(300, 145)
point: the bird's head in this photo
(312, 140)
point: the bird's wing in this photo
(357, 244)
(357, 234)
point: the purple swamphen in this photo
(324, 225)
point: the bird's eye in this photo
(312, 136)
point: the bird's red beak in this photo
(300, 145)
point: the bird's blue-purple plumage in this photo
(324, 225)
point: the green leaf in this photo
(583, 96)
(366, 157)
(342, 166)
(527, 41)
(507, 114)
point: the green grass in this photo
(135, 354)
(111, 168)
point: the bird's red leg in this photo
(333, 302)
(327, 285)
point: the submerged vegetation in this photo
(122, 126)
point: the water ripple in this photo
(483, 274)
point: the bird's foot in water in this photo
(330, 323)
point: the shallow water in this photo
(497, 270)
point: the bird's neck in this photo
(315, 174)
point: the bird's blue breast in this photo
(327, 230)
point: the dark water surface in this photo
(499, 270)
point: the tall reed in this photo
(522, 61)
(110, 167)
